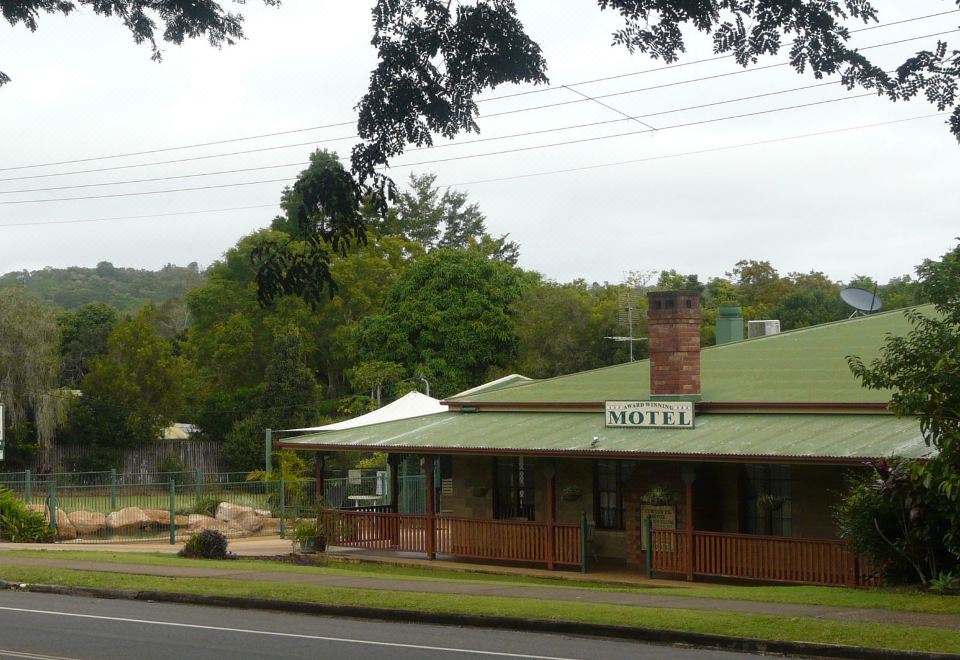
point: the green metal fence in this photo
(171, 511)
(101, 507)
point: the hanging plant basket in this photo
(659, 496)
(571, 494)
(769, 503)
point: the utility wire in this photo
(186, 146)
(443, 160)
(523, 176)
(666, 67)
(639, 132)
(697, 152)
(178, 160)
(610, 107)
(496, 114)
(136, 217)
(636, 118)
(542, 89)
(677, 83)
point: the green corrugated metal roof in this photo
(843, 437)
(800, 366)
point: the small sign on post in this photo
(649, 414)
(660, 517)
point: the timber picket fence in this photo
(759, 558)
(497, 540)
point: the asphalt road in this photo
(42, 626)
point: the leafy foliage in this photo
(323, 210)
(893, 519)
(180, 20)
(433, 220)
(30, 370)
(19, 524)
(206, 544)
(204, 506)
(448, 318)
(84, 336)
(923, 371)
(435, 57)
(138, 383)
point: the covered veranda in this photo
(556, 465)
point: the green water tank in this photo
(729, 324)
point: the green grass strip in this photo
(870, 635)
(897, 599)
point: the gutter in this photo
(715, 407)
(594, 453)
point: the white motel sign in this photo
(650, 414)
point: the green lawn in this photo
(903, 599)
(755, 626)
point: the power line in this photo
(136, 217)
(186, 146)
(677, 83)
(523, 176)
(352, 122)
(497, 114)
(553, 88)
(697, 152)
(638, 132)
(443, 160)
(637, 118)
(178, 160)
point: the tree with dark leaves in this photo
(922, 369)
(436, 56)
(172, 21)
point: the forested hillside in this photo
(126, 289)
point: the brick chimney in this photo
(673, 319)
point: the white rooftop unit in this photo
(763, 328)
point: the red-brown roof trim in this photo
(591, 454)
(700, 406)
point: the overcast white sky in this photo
(874, 201)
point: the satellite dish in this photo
(863, 302)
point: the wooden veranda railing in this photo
(762, 558)
(503, 540)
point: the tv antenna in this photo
(863, 302)
(626, 314)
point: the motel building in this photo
(724, 463)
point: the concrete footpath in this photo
(566, 593)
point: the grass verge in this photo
(897, 599)
(913, 638)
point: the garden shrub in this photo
(204, 506)
(896, 521)
(208, 544)
(18, 523)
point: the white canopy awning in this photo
(412, 404)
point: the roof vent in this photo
(763, 328)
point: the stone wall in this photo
(816, 491)
(471, 475)
(473, 496)
(647, 475)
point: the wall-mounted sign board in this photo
(650, 414)
(662, 517)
